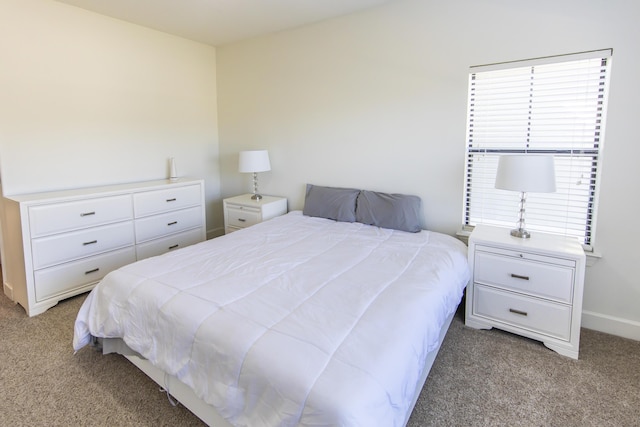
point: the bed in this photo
(304, 319)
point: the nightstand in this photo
(241, 211)
(531, 287)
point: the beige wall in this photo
(377, 100)
(89, 100)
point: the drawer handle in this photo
(171, 200)
(90, 243)
(173, 247)
(242, 220)
(173, 223)
(87, 213)
(95, 270)
(517, 276)
(520, 312)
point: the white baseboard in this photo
(611, 325)
(8, 290)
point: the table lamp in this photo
(525, 173)
(254, 162)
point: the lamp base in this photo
(521, 233)
(256, 197)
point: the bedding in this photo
(330, 202)
(298, 320)
(386, 210)
(395, 211)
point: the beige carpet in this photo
(480, 378)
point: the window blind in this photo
(554, 105)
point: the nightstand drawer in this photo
(241, 216)
(243, 211)
(534, 278)
(539, 316)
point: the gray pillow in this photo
(395, 211)
(330, 202)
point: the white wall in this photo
(377, 100)
(88, 100)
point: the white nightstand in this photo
(531, 287)
(242, 211)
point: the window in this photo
(554, 105)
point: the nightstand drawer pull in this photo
(518, 276)
(90, 243)
(171, 200)
(173, 247)
(87, 213)
(242, 220)
(520, 312)
(95, 270)
(173, 223)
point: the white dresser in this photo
(532, 287)
(60, 244)
(242, 211)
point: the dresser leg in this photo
(562, 350)
(472, 323)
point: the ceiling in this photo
(217, 22)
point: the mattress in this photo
(293, 321)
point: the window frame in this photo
(561, 152)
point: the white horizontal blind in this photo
(552, 106)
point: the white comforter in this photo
(294, 321)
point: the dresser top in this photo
(71, 194)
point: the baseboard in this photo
(611, 325)
(8, 290)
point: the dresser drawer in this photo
(158, 201)
(61, 217)
(169, 223)
(59, 248)
(534, 278)
(57, 280)
(242, 216)
(169, 243)
(536, 315)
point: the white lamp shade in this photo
(254, 161)
(528, 173)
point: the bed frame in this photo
(183, 393)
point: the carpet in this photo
(480, 378)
